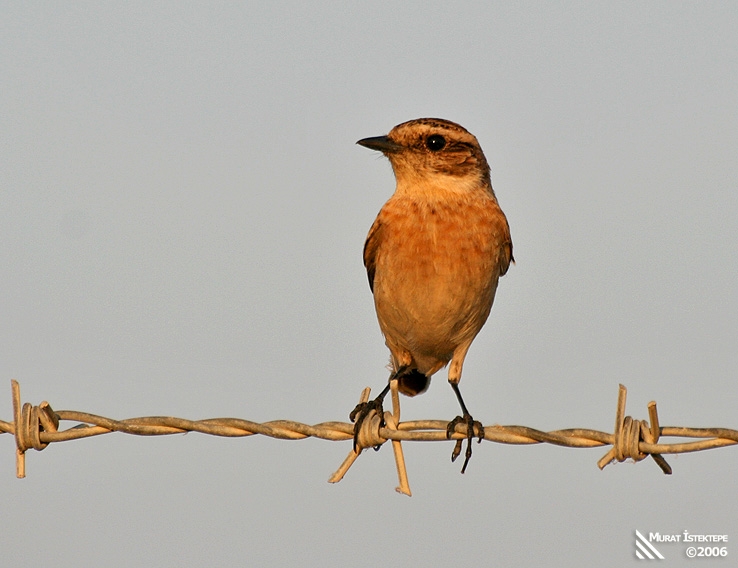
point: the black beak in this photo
(381, 144)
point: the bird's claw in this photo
(473, 428)
(360, 413)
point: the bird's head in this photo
(432, 153)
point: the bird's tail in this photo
(413, 382)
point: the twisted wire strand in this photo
(37, 426)
(411, 431)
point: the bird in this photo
(433, 257)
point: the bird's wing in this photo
(506, 252)
(506, 257)
(371, 248)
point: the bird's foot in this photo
(361, 412)
(473, 428)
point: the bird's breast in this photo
(436, 269)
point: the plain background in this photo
(182, 214)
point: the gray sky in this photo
(182, 214)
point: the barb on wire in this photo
(35, 427)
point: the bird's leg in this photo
(362, 410)
(472, 427)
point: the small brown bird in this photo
(433, 257)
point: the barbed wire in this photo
(35, 427)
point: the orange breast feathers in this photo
(433, 266)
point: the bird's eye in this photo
(435, 142)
